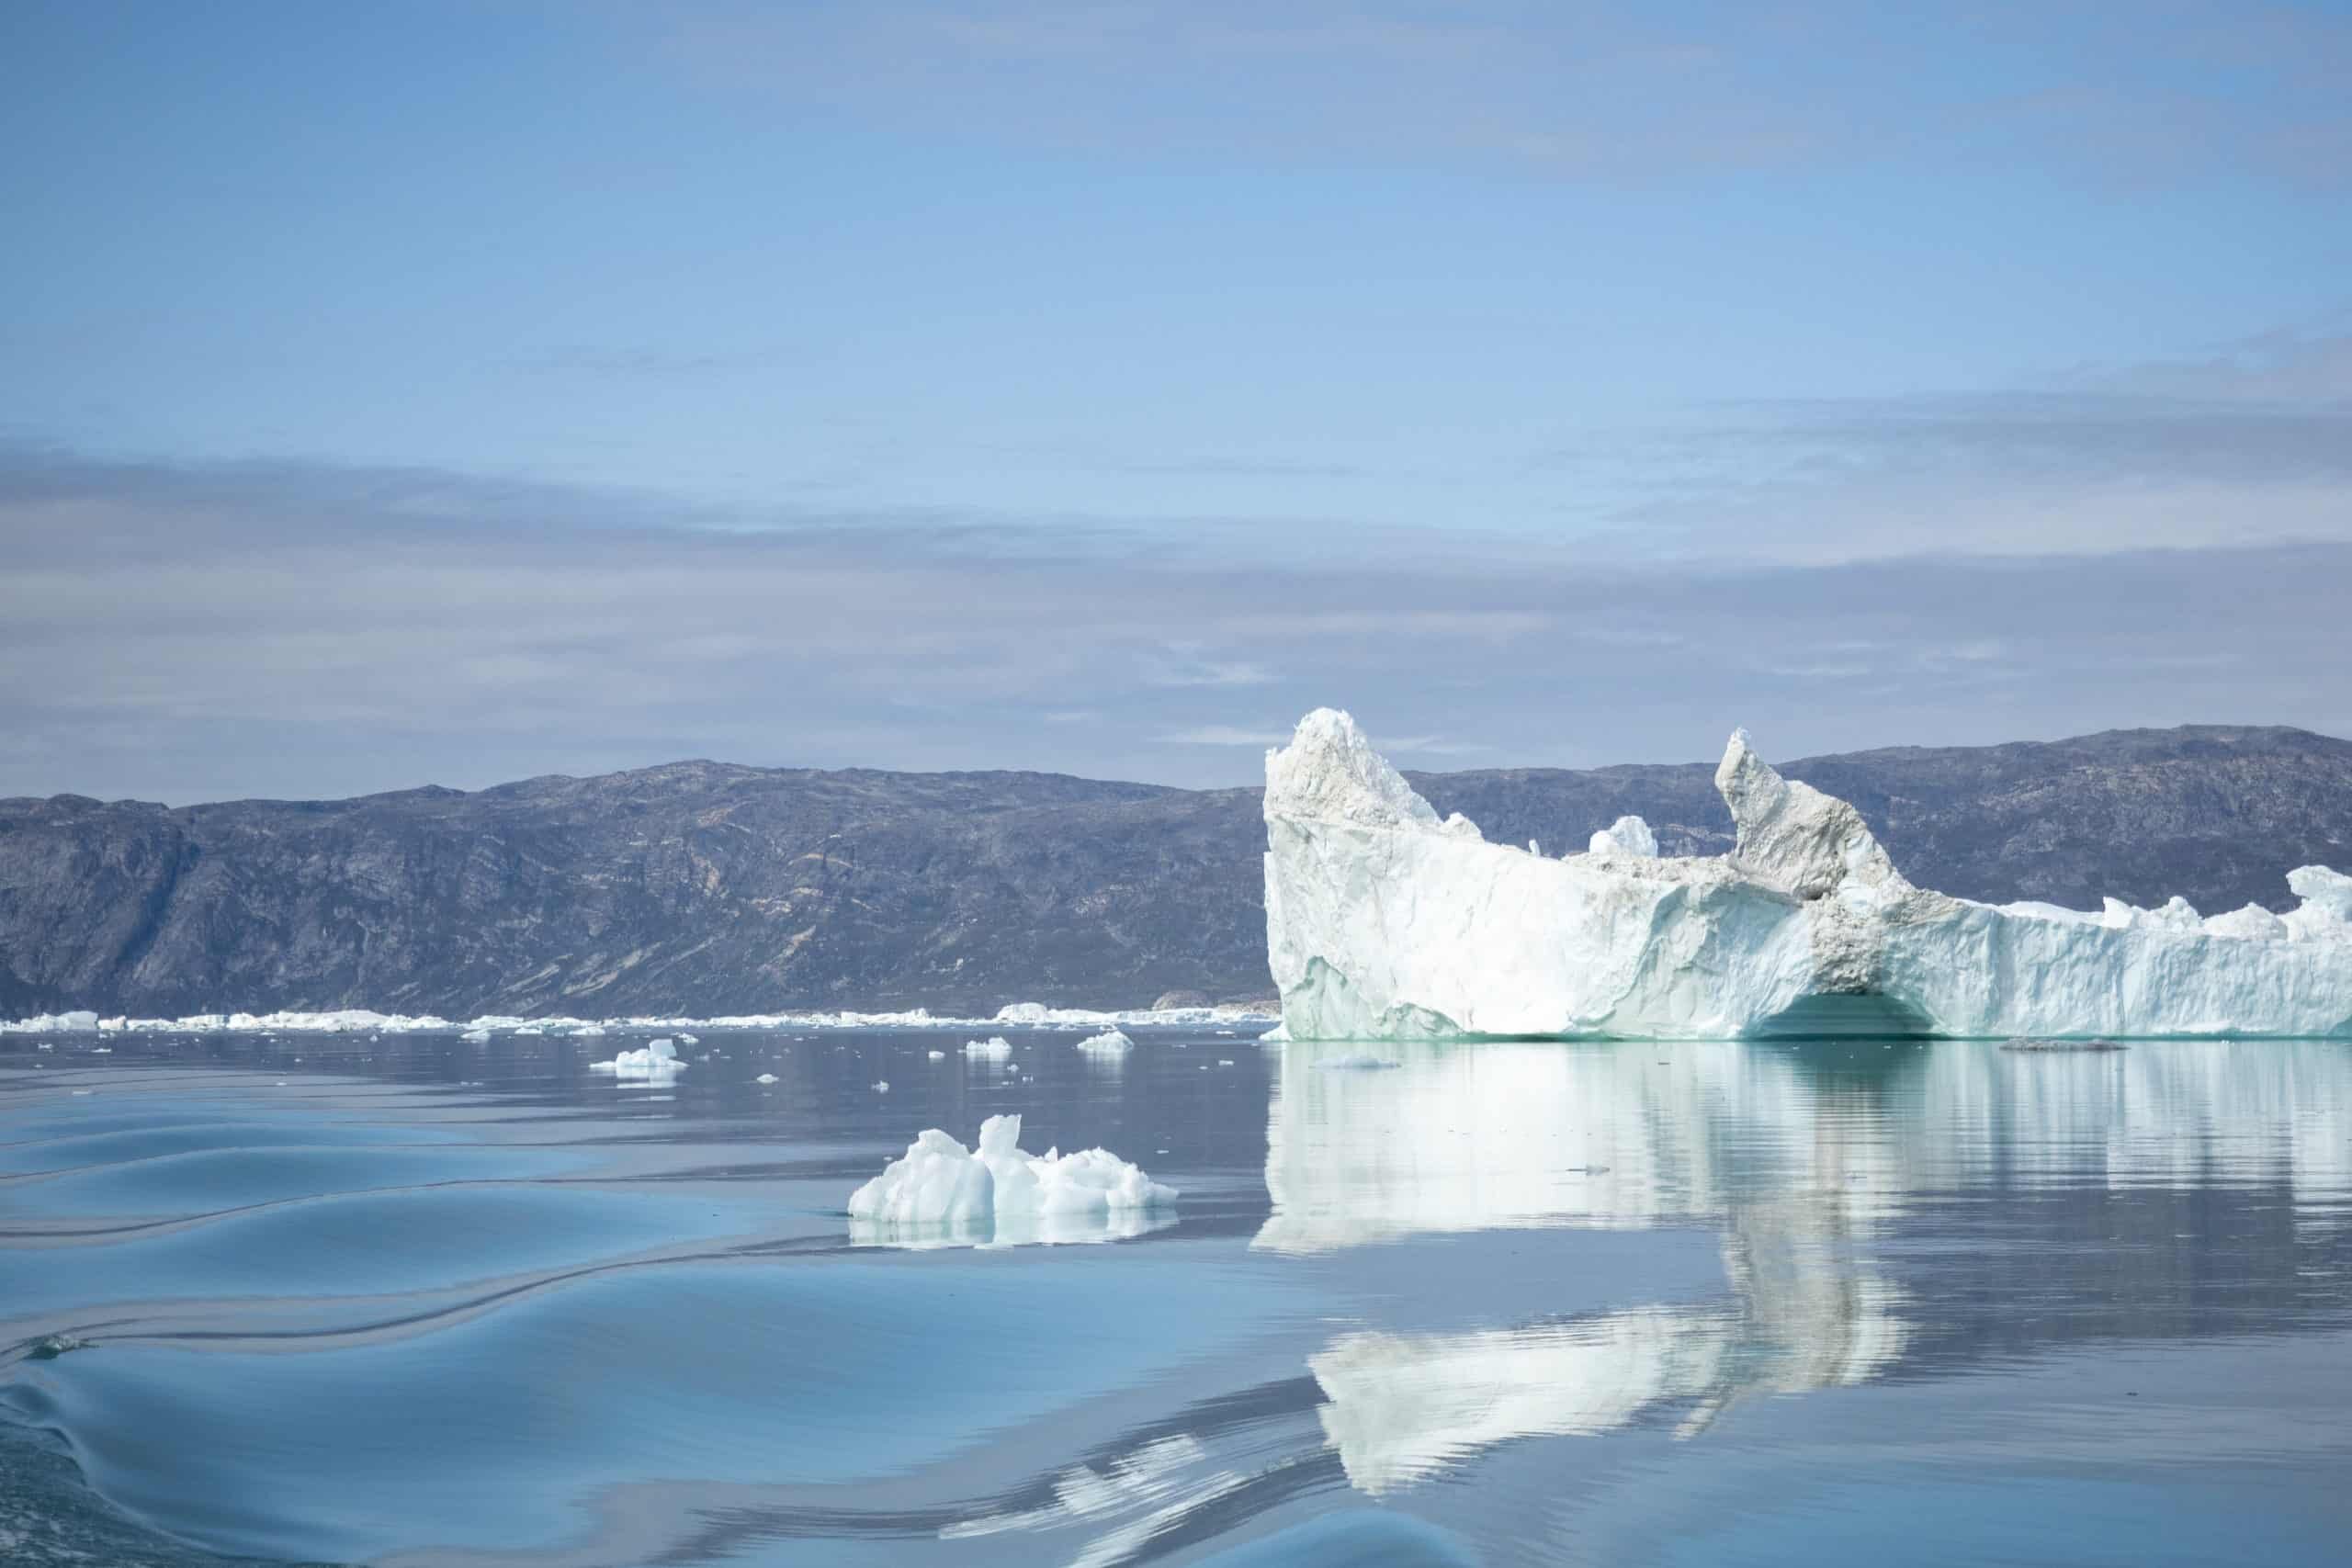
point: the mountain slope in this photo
(709, 888)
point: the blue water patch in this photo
(74, 1150)
(208, 1181)
(497, 1431)
(368, 1244)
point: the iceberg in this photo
(1384, 922)
(940, 1192)
(657, 1063)
(996, 1048)
(1110, 1042)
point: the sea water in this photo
(417, 1299)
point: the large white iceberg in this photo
(1384, 922)
(940, 1192)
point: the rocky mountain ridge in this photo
(709, 888)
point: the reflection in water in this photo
(1806, 1163)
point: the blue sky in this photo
(456, 391)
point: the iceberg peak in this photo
(1790, 834)
(1330, 773)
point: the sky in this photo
(455, 392)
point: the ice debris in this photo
(996, 1048)
(1110, 1042)
(940, 1192)
(1383, 923)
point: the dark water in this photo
(413, 1301)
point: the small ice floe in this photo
(1110, 1042)
(1356, 1062)
(881, 1086)
(941, 1193)
(996, 1048)
(765, 1078)
(109, 1051)
(476, 1037)
(1224, 1061)
(936, 1056)
(85, 1091)
(658, 1063)
(689, 1040)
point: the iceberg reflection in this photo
(1821, 1170)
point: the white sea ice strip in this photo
(1626, 836)
(76, 1022)
(1383, 924)
(361, 1020)
(1110, 1042)
(941, 1193)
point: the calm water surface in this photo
(413, 1301)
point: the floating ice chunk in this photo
(1626, 836)
(1383, 924)
(657, 1063)
(689, 1040)
(996, 1048)
(1110, 1042)
(939, 1192)
(765, 1078)
(935, 1056)
(881, 1086)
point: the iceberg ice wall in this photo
(1384, 922)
